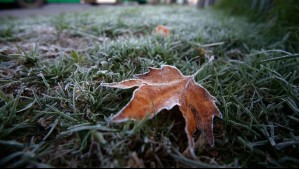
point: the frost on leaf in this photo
(164, 88)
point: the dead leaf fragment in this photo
(160, 29)
(45, 122)
(164, 88)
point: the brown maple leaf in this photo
(164, 88)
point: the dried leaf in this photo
(45, 122)
(164, 88)
(160, 29)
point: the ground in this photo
(54, 112)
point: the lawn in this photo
(53, 111)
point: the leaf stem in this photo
(204, 65)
